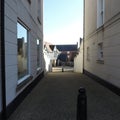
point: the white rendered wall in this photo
(78, 60)
(22, 10)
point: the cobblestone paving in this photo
(55, 98)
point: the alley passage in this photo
(55, 98)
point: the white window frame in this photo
(100, 12)
(22, 79)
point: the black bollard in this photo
(82, 104)
(62, 69)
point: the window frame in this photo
(100, 53)
(100, 12)
(27, 75)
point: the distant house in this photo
(67, 54)
(57, 55)
(50, 55)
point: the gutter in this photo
(3, 59)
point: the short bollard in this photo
(62, 69)
(82, 104)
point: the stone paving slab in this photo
(55, 98)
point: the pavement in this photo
(55, 98)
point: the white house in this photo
(78, 60)
(50, 56)
(22, 59)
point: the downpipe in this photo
(3, 59)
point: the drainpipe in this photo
(3, 59)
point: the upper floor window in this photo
(22, 43)
(100, 13)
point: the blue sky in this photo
(63, 21)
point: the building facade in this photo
(102, 40)
(23, 42)
(78, 60)
(50, 56)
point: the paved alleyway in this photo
(55, 98)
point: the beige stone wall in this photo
(90, 16)
(109, 35)
(112, 8)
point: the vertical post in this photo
(62, 69)
(3, 59)
(82, 104)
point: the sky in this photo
(63, 21)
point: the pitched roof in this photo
(65, 47)
(47, 46)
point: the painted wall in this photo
(78, 60)
(109, 35)
(27, 13)
(48, 62)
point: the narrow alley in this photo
(55, 98)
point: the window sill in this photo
(38, 70)
(23, 81)
(100, 28)
(100, 61)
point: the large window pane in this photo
(22, 50)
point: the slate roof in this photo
(65, 47)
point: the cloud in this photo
(70, 34)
